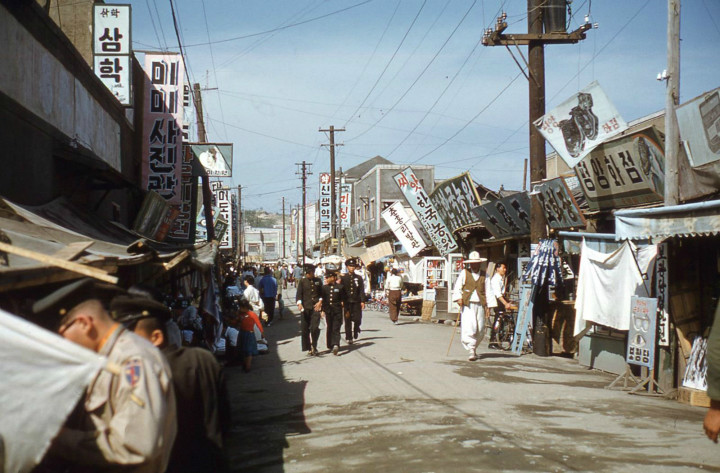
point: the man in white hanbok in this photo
(469, 293)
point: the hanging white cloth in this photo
(606, 283)
(43, 376)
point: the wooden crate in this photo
(694, 397)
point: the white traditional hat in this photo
(474, 257)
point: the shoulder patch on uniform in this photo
(132, 371)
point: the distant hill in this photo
(263, 219)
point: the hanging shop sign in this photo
(624, 172)
(184, 226)
(561, 210)
(454, 199)
(585, 120)
(223, 201)
(162, 126)
(661, 290)
(507, 217)
(155, 217)
(425, 211)
(404, 229)
(524, 318)
(216, 158)
(345, 206)
(357, 232)
(112, 48)
(641, 336)
(699, 124)
(325, 204)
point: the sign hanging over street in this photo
(325, 204)
(641, 336)
(509, 216)
(561, 210)
(402, 226)
(454, 199)
(223, 201)
(216, 158)
(112, 48)
(585, 120)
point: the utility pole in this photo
(672, 99)
(240, 243)
(304, 173)
(297, 236)
(283, 224)
(333, 196)
(207, 194)
(535, 40)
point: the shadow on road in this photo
(267, 408)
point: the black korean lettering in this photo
(585, 178)
(110, 69)
(598, 171)
(630, 168)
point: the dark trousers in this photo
(498, 311)
(334, 319)
(394, 299)
(353, 319)
(269, 307)
(310, 329)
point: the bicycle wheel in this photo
(505, 337)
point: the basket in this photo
(427, 310)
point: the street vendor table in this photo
(411, 305)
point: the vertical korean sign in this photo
(183, 227)
(641, 336)
(423, 207)
(223, 201)
(345, 204)
(112, 48)
(399, 222)
(325, 201)
(661, 289)
(162, 126)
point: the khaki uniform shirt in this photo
(129, 419)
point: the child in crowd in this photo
(248, 320)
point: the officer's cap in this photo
(61, 301)
(330, 268)
(127, 309)
(351, 262)
(330, 274)
(309, 268)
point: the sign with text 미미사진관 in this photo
(425, 211)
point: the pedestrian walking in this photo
(298, 274)
(285, 275)
(334, 297)
(127, 419)
(393, 291)
(203, 410)
(496, 302)
(309, 301)
(355, 289)
(469, 293)
(269, 292)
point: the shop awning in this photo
(602, 242)
(702, 218)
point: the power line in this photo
(236, 38)
(212, 60)
(152, 21)
(182, 53)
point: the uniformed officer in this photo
(309, 302)
(203, 411)
(127, 418)
(334, 298)
(355, 287)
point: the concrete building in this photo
(266, 244)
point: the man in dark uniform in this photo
(203, 410)
(355, 287)
(309, 302)
(334, 298)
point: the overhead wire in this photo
(162, 30)
(182, 52)
(212, 61)
(152, 22)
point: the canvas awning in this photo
(702, 218)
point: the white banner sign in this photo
(325, 204)
(43, 376)
(114, 72)
(223, 201)
(111, 31)
(581, 123)
(399, 222)
(345, 205)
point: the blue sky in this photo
(426, 94)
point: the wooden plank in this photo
(694, 397)
(176, 260)
(61, 263)
(71, 251)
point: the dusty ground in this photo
(395, 402)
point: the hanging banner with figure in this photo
(216, 158)
(425, 211)
(404, 229)
(454, 199)
(575, 127)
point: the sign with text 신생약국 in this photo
(559, 206)
(216, 158)
(506, 217)
(162, 126)
(582, 122)
(402, 226)
(325, 204)
(625, 171)
(112, 48)
(641, 336)
(425, 211)
(223, 201)
(454, 200)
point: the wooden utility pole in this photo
(283, 224)
(297, 235)
(535, 40)
(207, 194)
(333, 195)
(672, 99)
(304, 173)
(240, 242)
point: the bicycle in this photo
(505, 330)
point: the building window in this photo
(254, 248)
(372, 209)
(358, 217)
(270, 248)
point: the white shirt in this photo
(496, 290)
(393, 283)
(460, 282)
(253, 297)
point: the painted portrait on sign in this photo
(652, 162)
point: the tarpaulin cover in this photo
(544, 265)
(606, 283)
(701, 218)
(43, 376)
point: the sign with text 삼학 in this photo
(641, 336)
(425, 211)
(399, 222)
(112, 48)
(454, 200)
